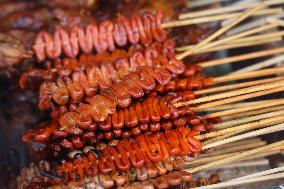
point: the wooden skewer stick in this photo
(252, 24)
(208, 159)
(234, 45)
(267, 130)
(237, 86)
(202, 161)
(233, 93)
(231, 145)
(260, 65)
(269, 152)
(247, 75)
(232, 38)
(221, 10)
(240, 143)
(241, 182)
(219, 138)
(278, 21)
(236, 157)
(259, 37)
(213, 18)
(198, 3)
(239, 105)
(225, 28)
(203, 107)
(228, 124)
(221, 148)
(253, 112)
(244, 109)
(242, 57)
(241, 128)
(262, 173)
(253, 163)
(238, 148)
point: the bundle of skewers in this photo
(127, 110)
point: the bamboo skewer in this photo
(276, 21)
(253, 24)
(232, 38)
(242, 57)
(262, 173)
(213, 18)
(233, 149)
(252, 177)
(240, 143)
(208, 159)
(219, 32)
(244, 109)
(244, 127)
(269, 152)
(240, 182)
(219, 138)
(198, 3)
(239, 105)
(232, 131)
(236, 157)
(239, 45)
(260, 65)
(237, 86)
(247, 119)
(232, 8)
(253, 163)
(204, 107)
(267, 130)
(248, 75)
(253, 112)
(259, 37)
(233, 93)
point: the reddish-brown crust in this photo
(102, 37)
(143, 150)
(152, 109)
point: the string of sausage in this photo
(119, 94)
(177, 86)
(125, 181)
(196, 124)
(60, 141)
(172, 179)
(83, 78)
(139, 28)
(152, 114)
(112, 67)
(143, 150)
(151, 109)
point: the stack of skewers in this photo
(126, 111)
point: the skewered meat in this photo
(78, 79)
(152, 109)
(78, 94)
(105, 36)
(143, 150)
(119, 94)
(179, 179)
(63, 140)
